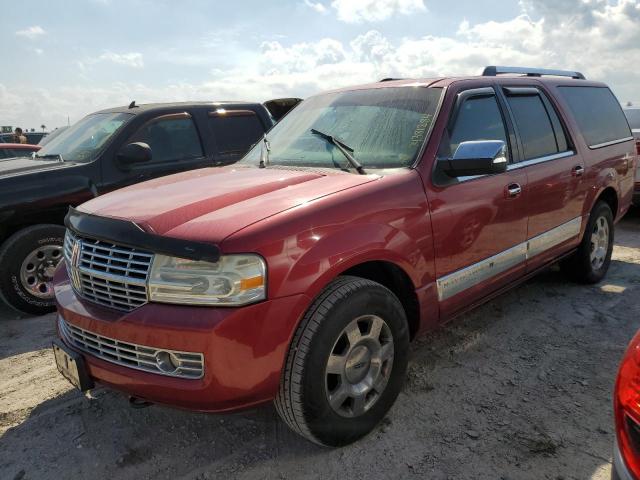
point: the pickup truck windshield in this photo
(82, 141)
(385, 127)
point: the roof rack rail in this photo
(390, 79)
(493, 71)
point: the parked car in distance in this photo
(626, 453)
(9, 150)
(367, 216)
(633, 116)
(33, 138)
(105, 151)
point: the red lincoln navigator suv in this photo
(368, 215)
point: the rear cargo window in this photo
(535, 127)
(598, 114)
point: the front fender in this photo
(339, 250)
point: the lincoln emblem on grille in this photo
(75, 260)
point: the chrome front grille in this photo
(149, 359)
(106, 273)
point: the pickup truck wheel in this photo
(27, 261)
(346, 364)
(591, 262)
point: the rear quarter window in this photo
(598, 114)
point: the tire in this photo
(583, 266)
(24, 286)
(306, 383)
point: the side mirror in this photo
(137, 152)
(481, 157)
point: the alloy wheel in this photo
(359, 366)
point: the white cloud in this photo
(316, 6)
(131, 59)
(599, 38)
(358, 11)
(31, 32)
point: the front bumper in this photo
(619, 470)
(244, 348)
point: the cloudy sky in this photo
(91, 54)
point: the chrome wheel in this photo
(359, 366)
(36, 273)
(599, 243)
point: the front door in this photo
(479, 223)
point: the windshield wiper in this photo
(266, 147)
(344, 148)
(51, 155)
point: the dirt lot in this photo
(518, 389)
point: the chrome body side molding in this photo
(465, 278)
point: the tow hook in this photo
(135, 402)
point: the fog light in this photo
(167, 362)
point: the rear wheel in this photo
(27, 262)
(591, 261)
(346, 364)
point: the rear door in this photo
(555, 173)
(234, 133)
(479, 223)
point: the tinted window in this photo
(598, 114)
(534, 126)
(170, 139)
(479, 118)
(633, 115)
(234, 134)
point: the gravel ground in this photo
(518, 389)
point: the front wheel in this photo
(591, 261)
(346, 364)
(27, 261)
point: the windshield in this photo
(633, 115)
(385, 127)
(83, 140)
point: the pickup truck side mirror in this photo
(481, 157)
(137, 152)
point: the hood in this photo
(10, 167)
(210, 204)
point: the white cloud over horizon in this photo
(600, 38)
(31, 32)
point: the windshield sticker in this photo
(421, 128)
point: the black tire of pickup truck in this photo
(14, 252)
(579, 267)
(303, 400)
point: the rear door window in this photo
(539, 127)
(598, 114)
(171, 138)
(235, 131)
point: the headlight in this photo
(232, 280)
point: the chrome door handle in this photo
(578, 170)
(514, 190)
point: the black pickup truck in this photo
(105, 151)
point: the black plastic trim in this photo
(129, 234)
